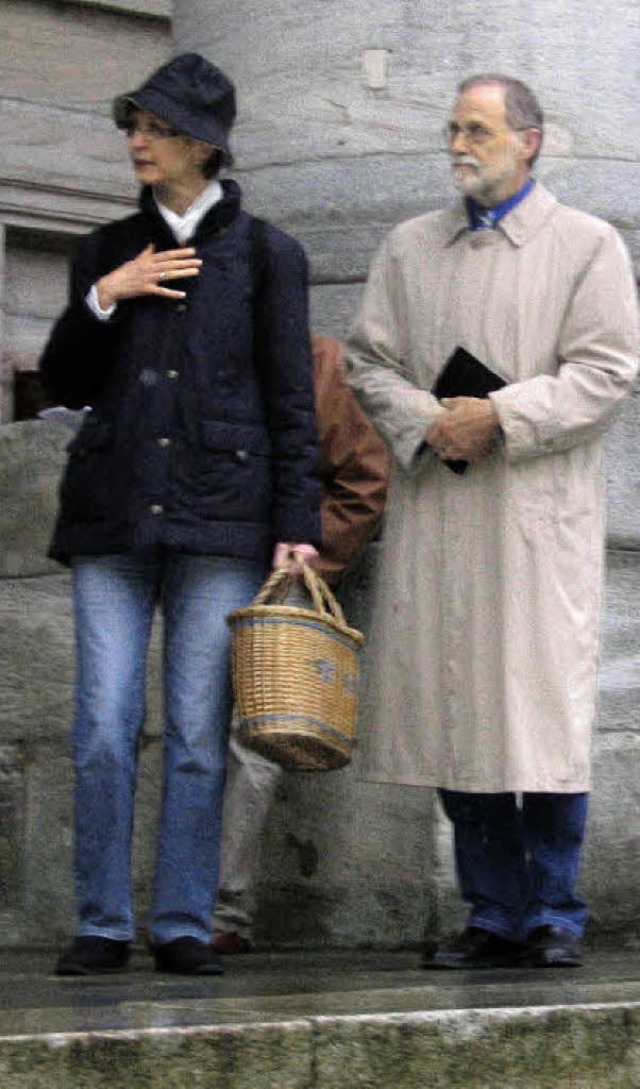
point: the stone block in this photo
(113, 52)
(619, 674)
(623, 477)
(37, 651)
(346, 863)
(611, 868)
(32, 456)
(12, 807)
(318, 68)
(47, 911)
(160, 9)
(47, 896)
(468, 1049)
(333, 308)
(340, 208)
(27, 267)
(254, 1057)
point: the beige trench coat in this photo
(485, 626)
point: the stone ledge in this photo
(152, 9)
(578, 1047)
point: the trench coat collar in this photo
(519, 225)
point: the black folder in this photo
(465, 376)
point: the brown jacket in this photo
(354, 464)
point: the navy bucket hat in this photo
(191, 95)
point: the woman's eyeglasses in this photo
(152, 130)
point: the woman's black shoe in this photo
(90, 956)
(187, 957)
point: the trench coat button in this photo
(156, 508)
(164, 441)
(173, 375)
(242, 455)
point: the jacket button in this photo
(164, 441)
(156, 508)
(172, 375)
(242, 455)
(181, 308)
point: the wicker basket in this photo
(295, 675)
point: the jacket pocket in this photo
(236, 438)
(87, 492)
(93, 435)
(230, 474)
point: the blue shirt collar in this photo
(482, 219)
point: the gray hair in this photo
(521, 107)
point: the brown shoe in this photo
(229, 942)
(187, 957)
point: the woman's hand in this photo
(282, 555)
(146, 274)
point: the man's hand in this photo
(147, 274)
(467, 431)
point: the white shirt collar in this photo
(184, 226)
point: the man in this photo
(354, 465)
(485, 628)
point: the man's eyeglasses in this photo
(474, 133)
(153, 130)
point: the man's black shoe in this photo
(553, 947)
(91, 956)
(187, 957)
(475, 948)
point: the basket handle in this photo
(280, 581)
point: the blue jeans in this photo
(114, 599)
(517, 864)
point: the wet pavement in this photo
(282, 987)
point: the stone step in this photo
(322, 1021)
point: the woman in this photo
(187, 334)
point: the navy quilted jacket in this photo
(202, 433)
